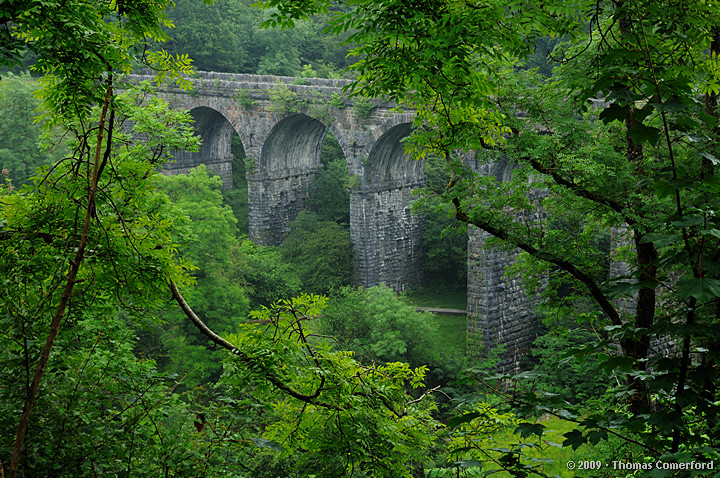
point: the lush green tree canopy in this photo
(80, 46)
(236, 44)
(320, 251)
(95, 240)
(119, 265)
(379, 327)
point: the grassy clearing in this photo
(452, 332)
(555, 458)
(437, 296)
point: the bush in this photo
(330, 197)
(379, 326)
(263, 273)
(575, 381)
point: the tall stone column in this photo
(276, 199)
(279, 185)
(500, 312)
(386, 237)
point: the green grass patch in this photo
(434, 295)
(555, 458)
(452, 332)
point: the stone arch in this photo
(388, 164)
(395, 120)
(222, 106)
(384, 232)
(278, 188)
(502, 169)
(216, 132)
(499, 309)
(294, 143)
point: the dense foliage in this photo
(235, 44)
(126, 261)
(638, 166)
(95, 250)
(320, 251)
(20, 153)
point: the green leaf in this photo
(702, 289)
(644, 134)
(711, 158)
(614, 112)
(465, 464)
(712, 183)
(663, 188)
(624, 289)
(263, 443)
(673, 105)
(595, 436)
(711, 232)
(688, 221)
(529, 429)
(661, 239)
(454, 422)
(615, 363)
(574, 439)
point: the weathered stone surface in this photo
(499, 309)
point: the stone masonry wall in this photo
(277, 202)
(500, 312)
(387, 238)
(284, 145)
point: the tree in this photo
(125, 258)
(379, 327)
(235, 44)
(320, 251)
(638, 165)
(444, 238)
(209, 248)
(329, 193)
(94, 242)
(333, 415)
(264, 274)
(102, 411)
(79, 52)
(220, 48)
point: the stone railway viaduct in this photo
(282, 126)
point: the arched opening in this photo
(237, 196)
(445, 246)
(279, 183)
(216, 133)
(330, 193)
(293, 146)
(388, 164)
(385, 233)
(304, 175)
(222, 151)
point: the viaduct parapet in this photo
(282, 125)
